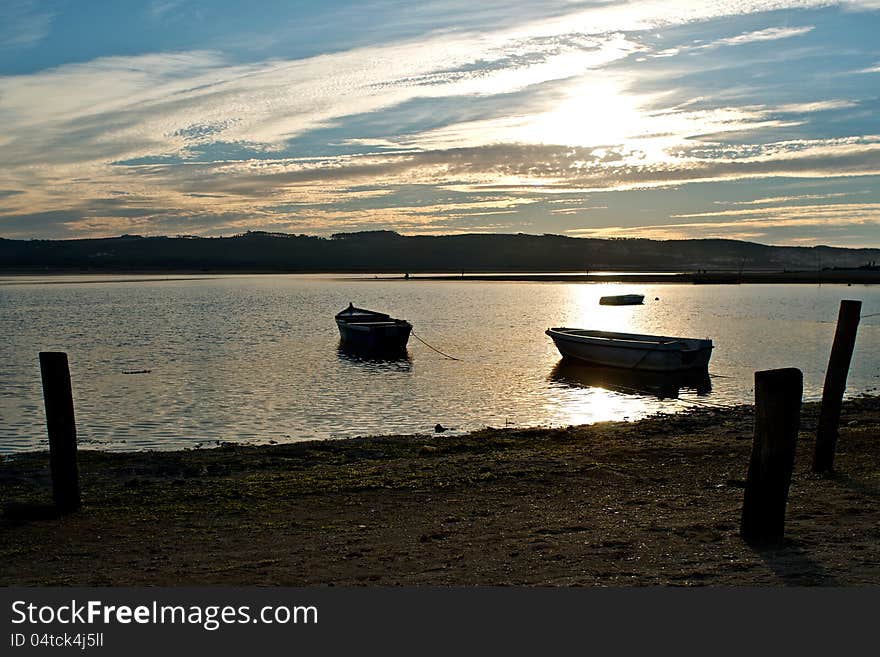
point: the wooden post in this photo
(61, 424)
(835, 384)
(777, 419)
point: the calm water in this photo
(255, 359)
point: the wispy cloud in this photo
(797, 213)
(23, 23)
(755, 36)
(769, 34)
(160, 9)
(774, 200)
(815, 106)
(855, 219)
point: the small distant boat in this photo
(372, 331)
(622, 300)
(655, 353)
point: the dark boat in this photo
(368, 330)
(622, 300)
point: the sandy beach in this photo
(653, 502)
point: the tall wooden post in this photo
(777, 419)
(61, 425)
(835, 384)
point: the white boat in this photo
(655, 353)
(622, 300)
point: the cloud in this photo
(797, 213)
(539, 106)
(854, 220)
(161, 9)
(755, 36)
(159, 94)
(535, 169)
(769, 34)
(815, 106)
(23, 24)
(787, 199)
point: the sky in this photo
(756, 120)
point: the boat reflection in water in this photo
(663, 385)
(378, 360)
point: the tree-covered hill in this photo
(385, 251)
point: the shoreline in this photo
(846, 277)
(840, 276)
(651, 502)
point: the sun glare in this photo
(596, 112)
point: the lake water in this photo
(254, 359)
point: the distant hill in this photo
(386, 251)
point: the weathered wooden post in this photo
(835, 384)
(61, 425)
(777, 419)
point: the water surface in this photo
(255, 358)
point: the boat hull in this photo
(632, 351)
(378, 337)
(622, 300)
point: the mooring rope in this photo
(413, 333)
